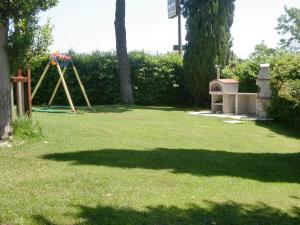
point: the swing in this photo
(62, 63)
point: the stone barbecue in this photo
(226, 98)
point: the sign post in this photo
(179, 28)
(174, 10)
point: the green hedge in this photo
(157, 79)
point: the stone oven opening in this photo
(216, 88)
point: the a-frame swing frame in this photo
(62, 74)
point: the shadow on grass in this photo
(266, 167)
(295, 197)
(230, 213)
(42, 220)
(279, 129)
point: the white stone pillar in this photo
(264, 93)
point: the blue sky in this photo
(87, 25)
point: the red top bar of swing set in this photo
(57, 56)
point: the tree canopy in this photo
(20, 9)
(289, 28)
(26, 39)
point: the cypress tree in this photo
(208, 43)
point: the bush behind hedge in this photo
(286, 89)
(157, 79)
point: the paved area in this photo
(5, 144)
(230, 116)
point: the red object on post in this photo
(19, 79)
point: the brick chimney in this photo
(218, 67)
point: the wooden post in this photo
(82, 87)
(12, 100)
(66, 88)
(57, 86)
(236, 104)
(28, 104)
(40, 81)
(20, 96)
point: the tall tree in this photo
(5, 107)
(123, 61)
(18, 26)
(289, 28)
(208, 42)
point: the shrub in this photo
(286, 89)
(245, 72)
(27, 128)
(157, 79)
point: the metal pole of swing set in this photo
(179, 28)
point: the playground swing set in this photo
(62, 63)
(22, 84)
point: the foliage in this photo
(28, 128)
(28, 42)
(245, 72)
(289, 28)
(20, 9)
(286, 89)
(263, 54)
(208, 42)
(26, 38)
(157, 79)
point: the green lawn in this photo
(150, 165)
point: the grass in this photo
(151, 165)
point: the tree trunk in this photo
(5, 95)
(123, 62)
